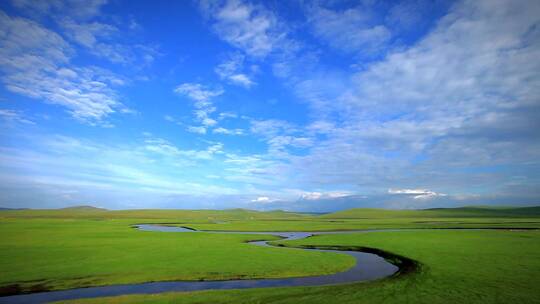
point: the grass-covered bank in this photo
(457, 267)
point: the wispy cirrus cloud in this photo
(202, 96)
(166, 148)
(221, 130)
(73, 8)
(198, 92)
(231, 70)
(310, 196)
(350, 30)
(105, 41)
(41, 54)
(87, 34)
(41, 68)
(118, 168)
(11, 116)
(250, 27)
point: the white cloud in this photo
(323, 195)
(477, 57)
(225, 115)
(80, 10)
(410, 14)
(416, 193)
(197, 129)
(132, 170)
(231, 70)
(271, 127)
(166, 148)
(464, 96)
(241, 79)
(161, 146)
(87, 34)
(408, 191)
(278, 146)
(198, 92)
(46, 44)
(101, 40)
(321, 126)
(206, 121)
(221, 130)
(40, 68)
(351, 30)
(262, 199)
(249, 27)
(14, 116)
(281, 136)
(169, 118)
(202, 96)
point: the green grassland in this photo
(55, 254)
(368, 223)
(77, 247)
(457, 267)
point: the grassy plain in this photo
(59, 249)
(50, 254)
(457, 267)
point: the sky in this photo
(295, 105)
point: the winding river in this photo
(368, 267)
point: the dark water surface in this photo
(368, 267)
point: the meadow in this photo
(79, 247)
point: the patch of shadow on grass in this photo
(16, 289)
(35, 286)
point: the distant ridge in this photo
(470, 211)
(497, 210)
(84, 208)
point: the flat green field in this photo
(59, 249)
(457, 267)
(58, 254)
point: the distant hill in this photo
(84, 208)
(490, 211)
(246, 214)
(172, 214)
(13, 208)
(313, 213)
(483, 211)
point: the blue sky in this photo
(295, 105)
